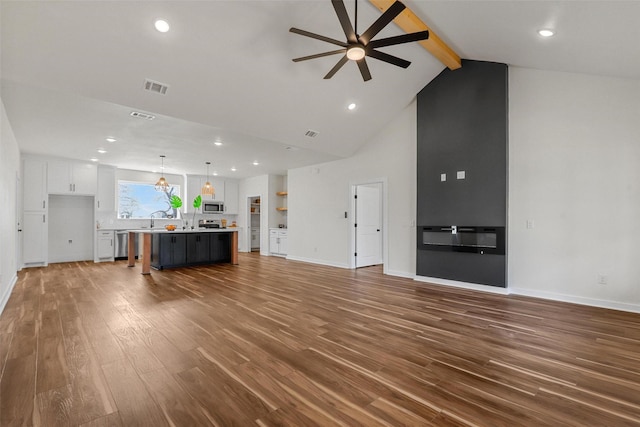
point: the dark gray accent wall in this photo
(463, 126)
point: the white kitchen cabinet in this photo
(34, 235)
(231, 194)
(105, 245)
(106, 198)
(194, 185)
(34, 179)
(35, 212)
(278, 241)
(219, 187)
(64, 177)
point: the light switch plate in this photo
(443, 177)
(460, 174)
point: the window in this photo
(141, 200)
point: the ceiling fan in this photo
(359, 46)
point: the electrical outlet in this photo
(530, 224)
(602, 279)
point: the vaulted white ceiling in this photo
(72, 72)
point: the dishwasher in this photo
(122, 244)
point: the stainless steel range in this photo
(209, 223)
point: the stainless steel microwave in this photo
(213, 207)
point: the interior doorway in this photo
(368, 230)
(18, 196)
(253, 223)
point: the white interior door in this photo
(368, 225)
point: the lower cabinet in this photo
(220, 249)
(168, 250)
(183, 249)
(278, 241)
(34, 238)
(198, 248)
(105, 245)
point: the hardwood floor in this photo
(272, 342)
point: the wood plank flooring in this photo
(272, 342)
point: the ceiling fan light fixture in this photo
(355, 53)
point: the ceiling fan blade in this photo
(364, 69)
(343, 17)
(319, 55)
(388, 58)
(388, 15)
(337, 67)
(317, 37)
(405, 38)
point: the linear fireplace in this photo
(452, 238)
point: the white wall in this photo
(9, 171)
(320, 195)
(574, 170)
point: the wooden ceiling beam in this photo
(410, 23)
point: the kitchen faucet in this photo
(151, 217)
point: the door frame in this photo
(352, 220)
(18, 222)
(247, 236)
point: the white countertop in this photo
(179, 230)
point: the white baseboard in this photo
(400, 274)
(465, 285)
(317, 261)
(613, 305)
(7, 294)
(634, 308)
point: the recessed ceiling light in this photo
(101, 150)
(218, 143)
(546, 33)
(94, 159)
(161, 25)
(111, 139)
(215, 174)
(352, 106)
(233, 169)
(256, 163)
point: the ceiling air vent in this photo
(156, 87)
(311, 133)
(142, 115)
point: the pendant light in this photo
(207, 188)
(162, 184)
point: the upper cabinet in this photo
(194, 186)
(64, 177)
(106, 200)
(34, 179)
(231, 194)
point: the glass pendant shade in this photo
(207, 189)
(162, 184)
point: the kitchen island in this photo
(181, 248)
